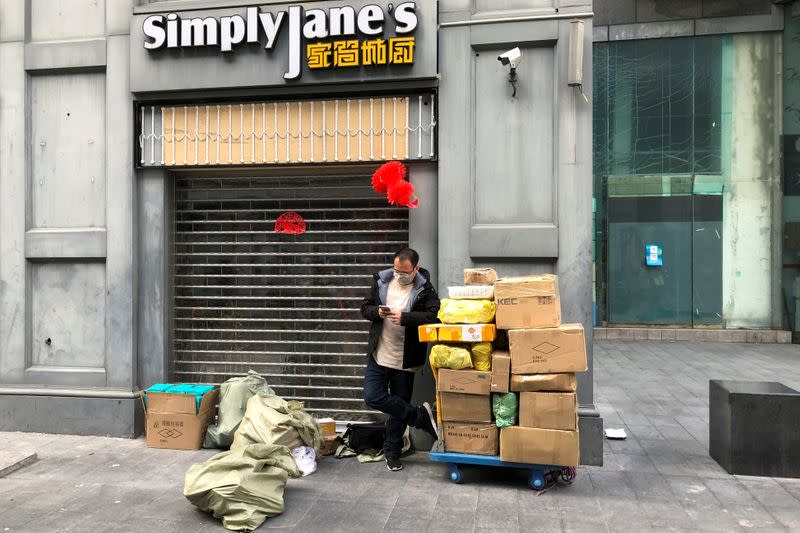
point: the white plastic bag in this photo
(306, 459)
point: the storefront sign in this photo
(340, 37)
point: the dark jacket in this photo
(422, 309)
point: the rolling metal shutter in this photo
(286, 306)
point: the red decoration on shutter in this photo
(291, 223)
(401, 193)
(386, 175)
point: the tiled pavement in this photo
(659, 479)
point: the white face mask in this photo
(404, 279)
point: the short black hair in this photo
(407, 254)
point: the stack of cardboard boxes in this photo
(545, 355)
(535, 356)
(464, 396)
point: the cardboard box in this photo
(327, 426)
(479, 276)
(466, 437)
(174, 421)
(527, 302)
(548, 410)
(458, 407)
(465, 381)
(501, 371)
(457, 333)
(544, 382)
(546, 351)
(540, 446)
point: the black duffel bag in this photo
(365, 437)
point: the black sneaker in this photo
(429, 422)
(394, 464)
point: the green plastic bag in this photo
(505, 408)
(242, 487)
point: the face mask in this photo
(404, 279)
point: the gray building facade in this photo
(147, 148)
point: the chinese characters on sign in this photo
(352, 53)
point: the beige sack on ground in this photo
(270, 419)
(242, 487)
(233, 398)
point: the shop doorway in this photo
(287, 306)
(682, 283)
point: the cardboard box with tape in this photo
(527, 302)
(457, 332)
(479, 276)
(564, 382)
(457, 407)
(501, 371)
(540, 446)
(548, 410)
(469, 437)
(465, 381)
(177, 420)
(549, 350)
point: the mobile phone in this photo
(384, 308)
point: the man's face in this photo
(404, 271)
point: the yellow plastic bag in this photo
(466, 311)
(482, 356)
(454, 357)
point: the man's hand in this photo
(384, 312)
(394, 316)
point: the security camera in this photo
(512, 58)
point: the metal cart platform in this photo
(541, 476)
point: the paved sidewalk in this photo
(661, 478)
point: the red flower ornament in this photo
(401, 193)
(386, 175)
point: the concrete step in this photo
(11, 461)
(750, 336)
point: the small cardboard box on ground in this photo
(527, 302)
(469, 437)
(501, 371)
(174, 421)
(549, 350)
(544, 383)
(465, 381)
(327, 426)
(458, 407)
(540, 446)
(457, 332)
(548, 410)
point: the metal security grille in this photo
(337, 130)
(286, 306)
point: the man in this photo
(401, 299)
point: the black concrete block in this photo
(755, 428)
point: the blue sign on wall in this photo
(652, 254)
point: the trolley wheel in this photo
(455, 473)
(536, 480)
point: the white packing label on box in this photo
(471, 334)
